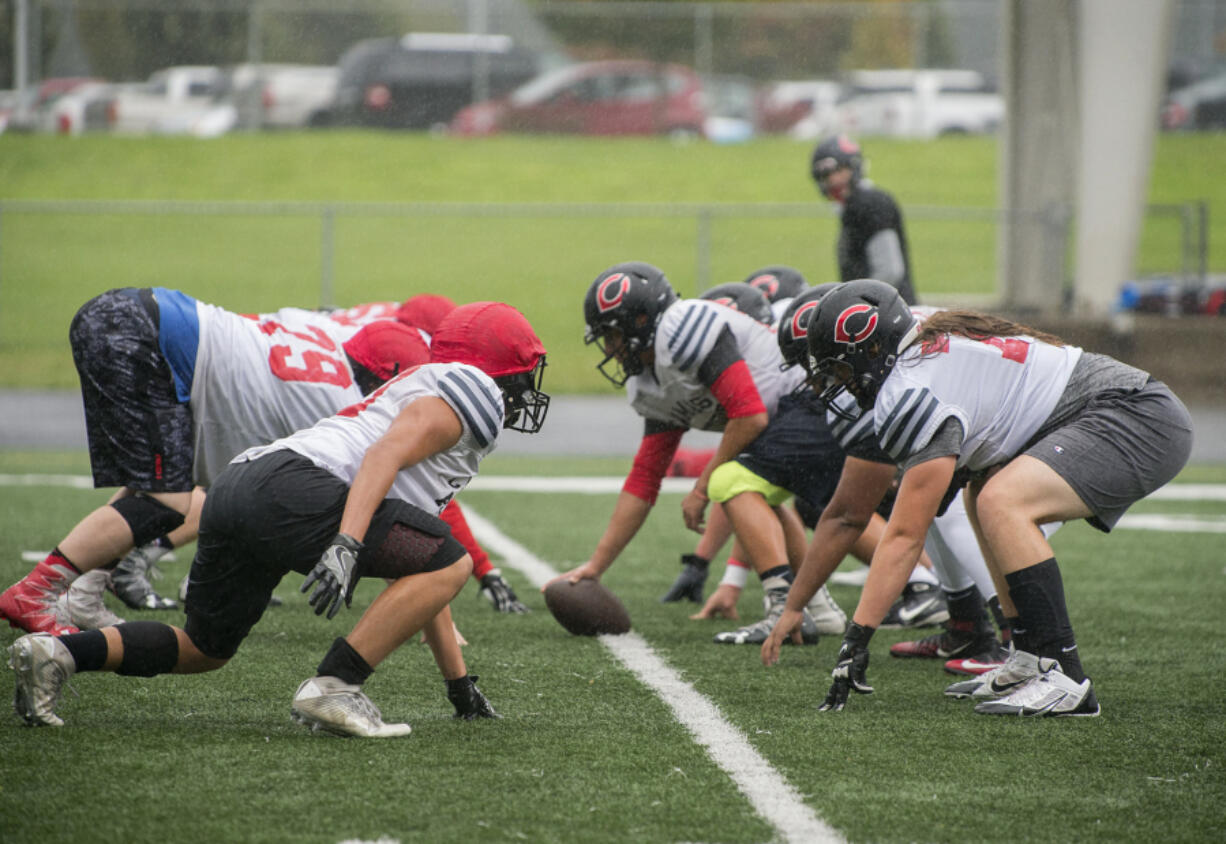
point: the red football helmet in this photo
(425, 311)
(386, 347)
(498, 340)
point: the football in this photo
(586, 608)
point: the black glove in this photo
(467, 699)
(334, 574)
(689, 583)
(849, 672)
(500, 594)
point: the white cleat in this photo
(1051, 694)
(42, 665)
(826, 614)
(331, 705)
(1020, 668)
(83, 606)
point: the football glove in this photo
(333, 575)
(689, 583)
(467, 699)
(849, 673)
(495, 587)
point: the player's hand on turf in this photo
(849, 676)
(689, 583)
(499, 593)
(333, 575)
(787, 625)
(721, 604)
(694, 510)
(467, 699)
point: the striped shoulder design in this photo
(478, 402)
(851, 433)
(698, 326)
(906, 420)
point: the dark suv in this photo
(423, 79)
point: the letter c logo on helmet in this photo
(845, 333)
(767, 283)
(800, 320)
(611, 292)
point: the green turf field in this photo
(52, 260)
(586, 752)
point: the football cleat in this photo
(959, 638)
(82, 605)
(42, 665)
(921, 605)
(994, 657)
(1051, 694)
(131, 579)
(690, 582)
(1018, 669)
(827, 615)
(29, 604)
(333, 706)
(756, 634)
(468, 700)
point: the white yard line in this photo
(771, 796)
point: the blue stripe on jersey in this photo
(689, 315)
(906, 420)
(472, 402)
(851, 432)
(178, 337)
(690, 345)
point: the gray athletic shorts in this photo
(1122, 446)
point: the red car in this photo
(625, 97)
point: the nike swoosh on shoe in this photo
(1002, 688)
(905, 614)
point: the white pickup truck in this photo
(918, 103)
(175, 100)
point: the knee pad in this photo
(149, 648)
(147, 518)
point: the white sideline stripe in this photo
(1174, 523)
(771, 796)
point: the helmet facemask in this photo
(524, 404)
(623, 354)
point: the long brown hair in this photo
(977, 326)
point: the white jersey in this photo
(255, 381)
(339, 443)
(1001, 390)
(671, 391)
(303, 319)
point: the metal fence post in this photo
(326, 225)
(1202, 207)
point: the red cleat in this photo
(29, 604)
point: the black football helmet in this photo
(855, 337)
(778, 282)
(793, 331)
(741, 297)
(622, 308)
(833, 154)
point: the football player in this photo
(173, 388)
(872, 241)
(685, 363)
(1038, 431)
(356, 495)
(780, 284)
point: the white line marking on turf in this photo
(771, 796)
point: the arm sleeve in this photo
(945, 442)
(885, 261)
(654, 456)
(736, 391)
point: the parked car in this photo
(1201, 105)
(804, 109)
(918, 103)
(33, 109)
(421, 80)
(280, 96)
(620, 97)
(187, 99)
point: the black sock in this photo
(965, 605)
(778, 571)
(88, 648)
(1038, 593)
(343, 662)
(164, 542)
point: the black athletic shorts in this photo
(140, 435)
(267, 517)
(797, 451)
